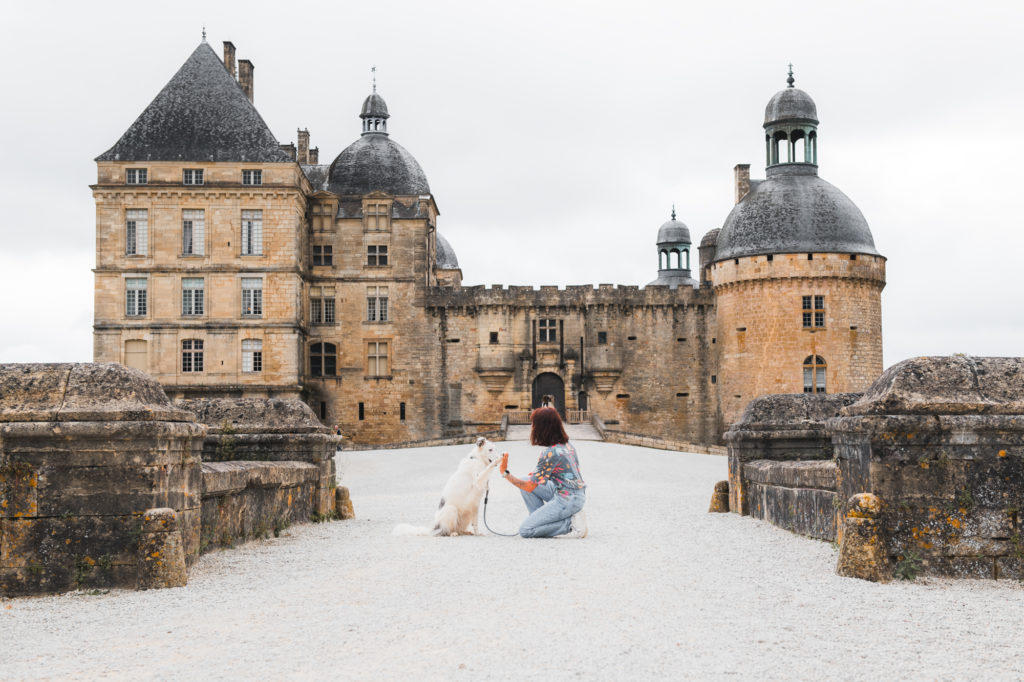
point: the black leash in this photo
(494, 532)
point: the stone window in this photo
(494, 337)
(135, 297)
(813, 312)
(193, 232)
(136, 176)
(376, 304)
(252, 297)
(192, 355)
(377, 358)
(401, 411)
(546, 330)
(602, 338)
(192, 289)
(252, 233)
(323, 254)
(192, 176)
(252, 177)
(323, 360)
(252, 355)
(321, 305)
(378, 217)
(377, 254)
(136, 233)
(135, 354)
(814, 374)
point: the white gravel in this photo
(661, 589)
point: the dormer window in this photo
(136, 176)
(192, 176)
(377, 217)
(252, 177)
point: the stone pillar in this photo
(161, 555)
(862, 551)
(720, 498)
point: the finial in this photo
(204, 34)
(673, 210)
(790, 80)
(373, 70)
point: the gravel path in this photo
(660, 590)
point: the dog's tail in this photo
(406, 529)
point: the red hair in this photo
(547, 427)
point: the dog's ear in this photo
(480, 441)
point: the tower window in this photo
(602, 338)
(813, 314)
(494, 337)
(401, 411)
(814, 374)
(362, 411)
(323, 254)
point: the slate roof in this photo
(790, 104)
(445, 258)
(202, 114)
(794, 211)
(376, 163)
(673, 279)
(673, 232)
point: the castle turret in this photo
(674, 254)
(796, 274)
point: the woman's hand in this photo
(503, 467)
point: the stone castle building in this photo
(230, 264)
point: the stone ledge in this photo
(816, 474)
(220, 478)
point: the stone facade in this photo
(364, 315)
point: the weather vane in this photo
(673, 210)
(373, 70)
(204, 33)
(790, 79)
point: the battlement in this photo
(572, 296)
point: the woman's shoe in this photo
(578, 525)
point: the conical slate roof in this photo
(202, 114)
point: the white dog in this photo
(461, 496)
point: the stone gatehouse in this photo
(231, 265)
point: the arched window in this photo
(673, 259)
(684, 259)
(780, 150)
(799, 147)
(814, 374)
(812, 140)
(663, 260)
(323, 361)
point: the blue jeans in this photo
(550, 513)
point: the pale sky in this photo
(556, 135)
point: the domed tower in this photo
(674, 254)
(797, 278)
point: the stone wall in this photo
(940, 441)
(87, 451)
(269, 430)
(766, 446)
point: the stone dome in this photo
(376, 163)
(374, 105)
(790, 104)
(445, 258)
(674, 232)
(794, 211)
(710, 238)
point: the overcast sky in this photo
(556, 135)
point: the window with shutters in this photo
(193, 232)
(135, 297)
(252, 233)
(252, 297)
(136, 232)
(192, 290)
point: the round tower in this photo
(797, 278)
(674, 254)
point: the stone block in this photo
(161, 553)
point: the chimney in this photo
(289, 149)
(314, 156)
(229, 57)
(303, 146)
(245, 68)
(742, 173)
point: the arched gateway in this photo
(549, 384)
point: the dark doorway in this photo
(581, 400)
(549, 384)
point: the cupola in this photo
(674, 253)
(375, 111)
(791, 129)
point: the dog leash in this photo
(487, 494)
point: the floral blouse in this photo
(560, 465)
